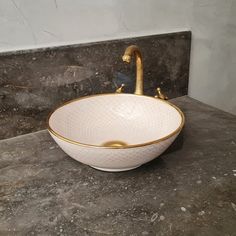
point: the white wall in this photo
(32, 24)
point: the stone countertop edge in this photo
(191, 191)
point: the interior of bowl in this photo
(115, 119)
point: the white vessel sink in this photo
(115, 132)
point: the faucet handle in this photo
(120, 89)
(160, 95)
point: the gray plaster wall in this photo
(212, 22)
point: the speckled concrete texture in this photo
(32, 83)
(188, 192)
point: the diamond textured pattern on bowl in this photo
(146, 125)
(114, 158)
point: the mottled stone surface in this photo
(32, 83)
(188, 192)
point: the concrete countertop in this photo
(191, 191)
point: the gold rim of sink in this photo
(115, 147)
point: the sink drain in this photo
(114, 144)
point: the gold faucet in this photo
(133, 49)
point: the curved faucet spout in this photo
(134, 50)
